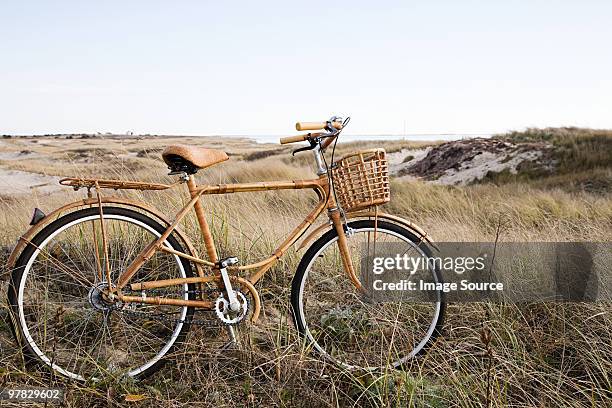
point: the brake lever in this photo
(313, 144)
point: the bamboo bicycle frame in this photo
(326, 201)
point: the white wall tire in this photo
(299, 297)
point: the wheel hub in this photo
(98, 299)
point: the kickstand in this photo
(233, 342)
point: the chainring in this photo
(228, 317)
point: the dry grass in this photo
(503, 354)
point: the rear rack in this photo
(78, 183)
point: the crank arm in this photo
(234, 304)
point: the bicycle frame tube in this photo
(319, 185)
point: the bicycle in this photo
(91, 288)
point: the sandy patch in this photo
(18, 155)
(397, 163)
(465, 161)
(15, 182)
(479, 166)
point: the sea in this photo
(409, 137)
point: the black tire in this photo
(28, 252)
(314, 251)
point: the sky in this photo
(254, 68)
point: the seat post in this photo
(199, 210)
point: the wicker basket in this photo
(361, 180)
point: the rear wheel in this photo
(63, 318)
(336, 319)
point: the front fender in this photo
(372, 214)
(52, 216)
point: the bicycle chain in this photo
(209, 323)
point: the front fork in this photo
(345, 253)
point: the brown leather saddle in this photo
(189, 159)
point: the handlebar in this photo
(299, 138)
(332, 127)
(316, 125)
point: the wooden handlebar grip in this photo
(292, 139)
(315, 125)
(309, 126)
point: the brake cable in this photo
(329, 175)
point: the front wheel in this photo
(345, 327)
